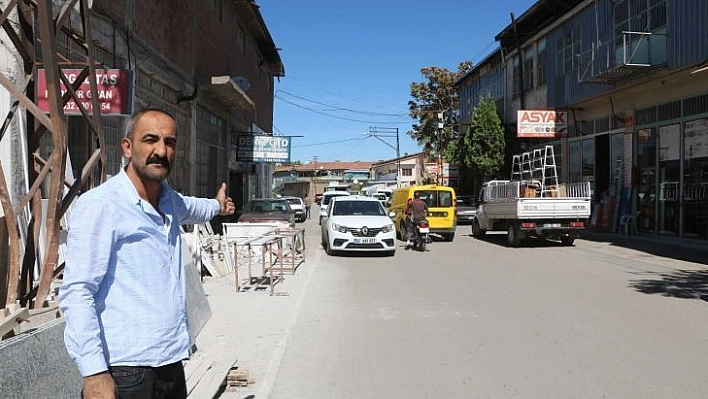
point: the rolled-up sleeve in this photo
(91, 237)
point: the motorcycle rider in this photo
(417, 210)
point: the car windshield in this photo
(465, 200)
(327, 198)
(293, 201)
(368, 208)
(265, 206)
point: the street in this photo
(477, 318)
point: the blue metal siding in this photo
(688, 32)
(566, 89)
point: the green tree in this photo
(434, 95)
(482, 147)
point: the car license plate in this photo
(365, 240)
(552, 225)
(424, 230)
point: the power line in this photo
(335, 108)
(328, 142)
(336, 116)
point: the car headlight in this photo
(339, 227)
(387, 228)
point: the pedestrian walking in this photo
(308, 205)
(123, 291)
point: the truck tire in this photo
(513, 235)
(477, 231)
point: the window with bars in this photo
(541, 62)
(568, 45)
(528, 68)
(516, 81)
(638, 16)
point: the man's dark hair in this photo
(130, 126)
(416, 195)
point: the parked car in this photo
(298, 206)
(358, 223)
(383, 198)
(466, 209)
(268, 210)
(326, 197)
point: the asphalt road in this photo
(476, 318)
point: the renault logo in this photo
(365, 231)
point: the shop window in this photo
(574, 162)
(646, 178)
(695, 169)
(669, 179)
(588, 167)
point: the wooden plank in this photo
(13, 320)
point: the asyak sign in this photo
(541, 123)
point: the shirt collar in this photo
(132, 193)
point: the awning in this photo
(224, 91)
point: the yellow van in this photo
(441, 208)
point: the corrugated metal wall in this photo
(566, 89)
(687, 32)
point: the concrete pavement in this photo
(250, 330)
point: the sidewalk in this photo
(686, 249)
(247, 330)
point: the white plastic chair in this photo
(629, 223)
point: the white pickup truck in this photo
(523, 209)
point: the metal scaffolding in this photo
(33, 35)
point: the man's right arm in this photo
(89, 250)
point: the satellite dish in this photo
(242, 82)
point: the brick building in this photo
(210, 64)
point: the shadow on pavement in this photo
(695, 251)
(686, 284)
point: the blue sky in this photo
(349, 66)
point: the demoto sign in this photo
(541, 123)
(263, 148)
(114, 92)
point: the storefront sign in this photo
(114, 92)
(263, 148)
(541, 123)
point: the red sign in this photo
(541, 123)
(114, 92)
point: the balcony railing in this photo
(638, 54)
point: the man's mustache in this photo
(160, 161)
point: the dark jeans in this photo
(137, 382)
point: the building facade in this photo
(632, 77)
(211, 65)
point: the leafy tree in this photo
(434, 95)
(482, 147)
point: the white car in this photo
(358, 223)
(326, 197)
(298, 206)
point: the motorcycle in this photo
(421, 235)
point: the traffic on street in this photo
(481, 318)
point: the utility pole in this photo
(439, 161)
(378, 133)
